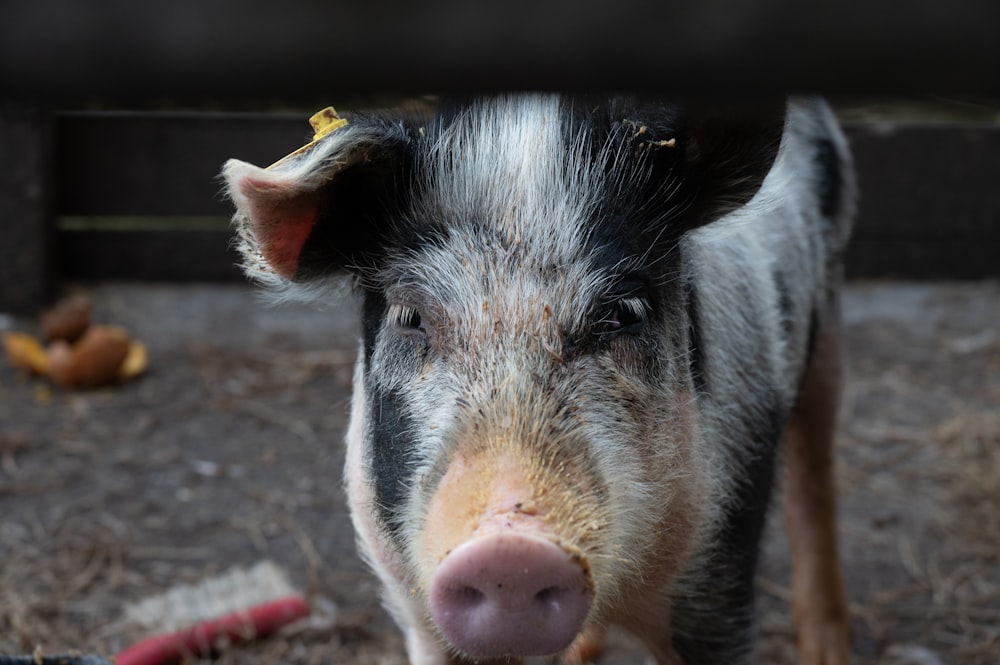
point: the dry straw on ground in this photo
(228, 452)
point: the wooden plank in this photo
(164, 256)
(25, 191)
(903, 258)
(930, 205)
(135, 163)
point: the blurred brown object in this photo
(92, 362)
(67, 320)
(79, 355)
(26, 353)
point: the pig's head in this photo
(524, 457)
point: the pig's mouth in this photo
(510, 594)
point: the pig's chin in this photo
(510, 594)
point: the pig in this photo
(588, 328)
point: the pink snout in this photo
(510, 594)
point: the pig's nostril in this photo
(466, 597)
(547, 595)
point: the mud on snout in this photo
(506, 549)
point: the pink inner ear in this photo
(282, 220)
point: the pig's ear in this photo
(729, 153)
(321, 211)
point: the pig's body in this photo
(585, 329)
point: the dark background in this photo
(132, 54)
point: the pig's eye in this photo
(405, 317)
(623, 314)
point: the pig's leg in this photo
(819, 604)
(588, 647)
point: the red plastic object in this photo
(203, 638)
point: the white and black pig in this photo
(587, 325)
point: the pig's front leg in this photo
(819, 602)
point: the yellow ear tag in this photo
(323, 123)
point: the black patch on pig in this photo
(373, 313)
(831, 179)
(392, 455)
(696, 356)
(745, 524)
(683, 165)
(639, 145)
(717, 623)
(810, 349)
(813, 333)
(784, 306)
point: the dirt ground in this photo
(229, 451)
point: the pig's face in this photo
(523, 455)
(544, 392)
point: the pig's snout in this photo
(510, 594)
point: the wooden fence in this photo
(136, 196)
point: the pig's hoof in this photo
(825, 644)
(510, 595)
